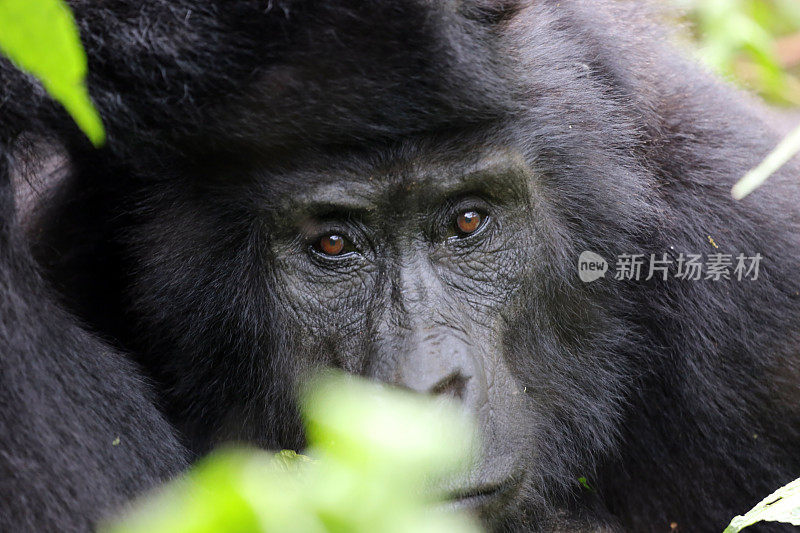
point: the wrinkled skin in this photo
(412, 300)
(403, 192)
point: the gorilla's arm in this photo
(79, 433)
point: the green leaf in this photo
(380, 461)
(783, 505)
(41, 37)
(347, 418)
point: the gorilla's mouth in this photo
(493, 495)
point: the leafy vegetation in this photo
(754, 42)
(379, 460)
(757, 44)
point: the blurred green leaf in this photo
(738, 38)
(40, 36)
(347, 418)
(379, 460)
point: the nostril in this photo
(453, 385)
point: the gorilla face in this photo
(417, 264)
(408, 271)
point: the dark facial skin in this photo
(405, 273)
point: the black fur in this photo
(677, 401)
(79, 429)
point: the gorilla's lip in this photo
(487, 494)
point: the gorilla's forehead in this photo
(408, 174)
(360, 70)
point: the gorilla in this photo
(401, 190)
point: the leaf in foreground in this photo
(379, 460)
(783, 505)
(41, 37)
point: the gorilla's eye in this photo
(332, 244)
(469, 222)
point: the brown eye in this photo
(468, 222)
(331, 244)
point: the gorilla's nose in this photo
(439, 362)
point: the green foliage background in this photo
(753, 42)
